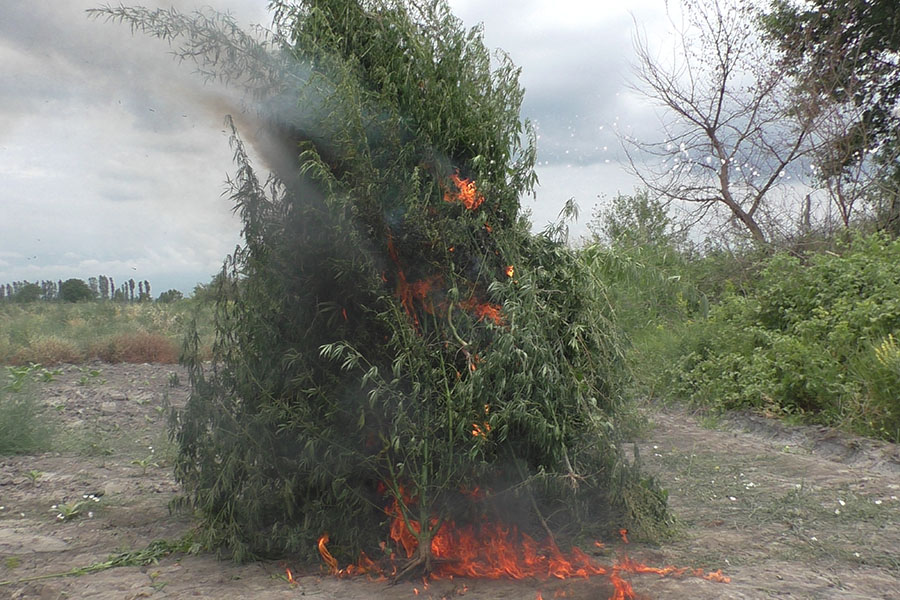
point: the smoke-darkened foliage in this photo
(389, 321)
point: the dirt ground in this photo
(785, 512)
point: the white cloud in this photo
(112, 155)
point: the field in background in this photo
(51, 333)
(790, 512)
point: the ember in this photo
(481, 430)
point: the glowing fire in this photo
(326, 555)
(480, 431)
(466, 193)
(484, 310)
(422, 292)
(497, 551)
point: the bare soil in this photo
(785, 512)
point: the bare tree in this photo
(733, 136)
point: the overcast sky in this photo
(113, 156)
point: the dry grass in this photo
(48, 350)
(50, 333)
(136, 347)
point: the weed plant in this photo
(813, 338)
(378, 338)
(24, 429)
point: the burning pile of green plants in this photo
(391, 333)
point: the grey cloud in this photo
(72, 58)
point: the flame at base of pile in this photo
(497, 551)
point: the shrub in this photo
(876, 410)
(48, 350)
(23, 428)
(170, 296)
(75, 290)
(813, 336)
(27, 293)
(136, 347)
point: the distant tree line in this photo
(77, 290)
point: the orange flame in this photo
(510, 271)
(623, 589)
(466, 193)
(485, 310)
(290, 576)
(494, 551)
(326, 555)
(481, 430)
(411, 292)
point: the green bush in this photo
(812, 336)
(23, 427)
(170, 296)
(646, 266)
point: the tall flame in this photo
(326, 555)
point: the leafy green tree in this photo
(75, 290)
(390, 330)
(847, 51)
(170, 296)
(27, 292)
(636, 220)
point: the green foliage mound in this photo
(373, 342)
(814, 337)
(23, 427)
